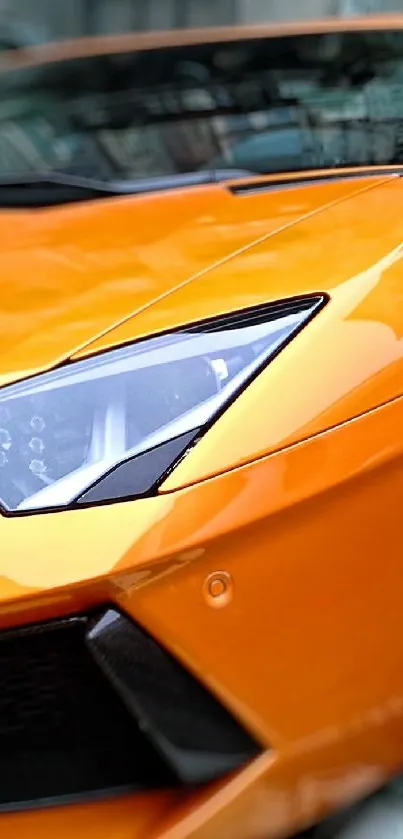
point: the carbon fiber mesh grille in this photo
(64, 732)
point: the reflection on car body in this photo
(201, 364)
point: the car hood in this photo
(82, 276)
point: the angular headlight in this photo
(110, 426)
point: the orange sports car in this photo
(201, 449)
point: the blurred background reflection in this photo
(43, 20)
(125, 118)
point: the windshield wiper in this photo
(46, 189)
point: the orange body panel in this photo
(292, 497)
(81, 270)
(304, 651)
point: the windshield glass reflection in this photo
(174, 103)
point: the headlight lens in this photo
(62, 432)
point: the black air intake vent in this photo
(197, 737)
(65, 732)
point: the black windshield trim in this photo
(58, 189)
(54, 188)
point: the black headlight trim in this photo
(138, 476)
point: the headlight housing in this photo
(111, 426)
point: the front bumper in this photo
(300, 644)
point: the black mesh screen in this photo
(92, 704)
(64, 731)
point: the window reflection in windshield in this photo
(267, 105)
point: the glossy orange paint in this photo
(119, 818)
(306, 653)
(348, 361)
(71, 274)
(294, 493)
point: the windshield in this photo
(122, 109)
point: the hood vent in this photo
(306, 179)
